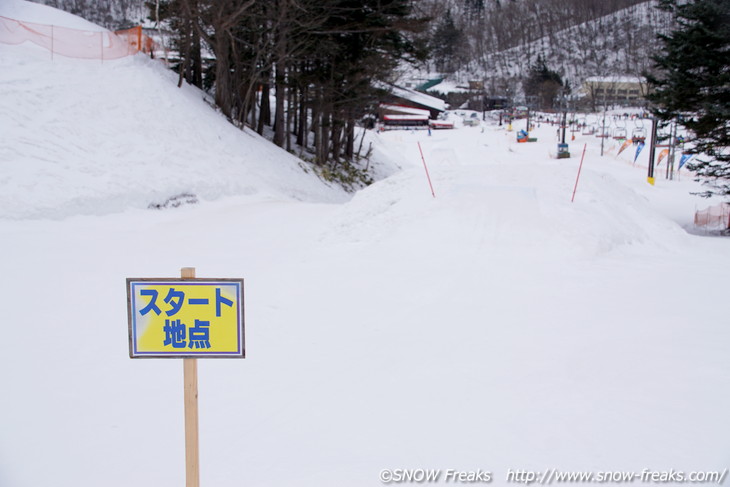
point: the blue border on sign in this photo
(200, 282)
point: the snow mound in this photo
(40, 14)
(86, 137)
(502, 208)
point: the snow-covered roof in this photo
(404, 110)
(615, 79)
(418, 97)
(449, 87)
(405, 117)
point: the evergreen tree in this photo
(359, 42)
(693, 84)
(320, 61)
(543, 84)
(474, 8)
(447, 45)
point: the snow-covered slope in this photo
(113, 14)
(40, 14)
(82, 137)
(496, 327)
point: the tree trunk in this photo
(265, 110)
(289, 116)
(197, 61)
(336, 138)
(350, 145)
(317, 128)
(302, 124)
(279, 123)
(325, 126)
(223, 95)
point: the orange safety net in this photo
(137, 40)
(75, 43)
(717, 216)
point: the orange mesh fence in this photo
(137, 40)
(76, 43)
(717, 216)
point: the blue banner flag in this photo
(684, 159)
(638, 151)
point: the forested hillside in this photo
(492, 39)
(495, 41)
(307, 71)
(499, 41)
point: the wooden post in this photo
(190, 378)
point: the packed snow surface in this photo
(495, 326)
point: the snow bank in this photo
(26, 11)
(85, 137)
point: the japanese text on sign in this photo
(185, 318)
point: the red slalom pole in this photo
(578, 176)
(426, 168)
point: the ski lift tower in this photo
(563, 150)
(604, 133)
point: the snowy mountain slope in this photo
(618, 44)
(494, 327)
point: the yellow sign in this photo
(185, 318)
